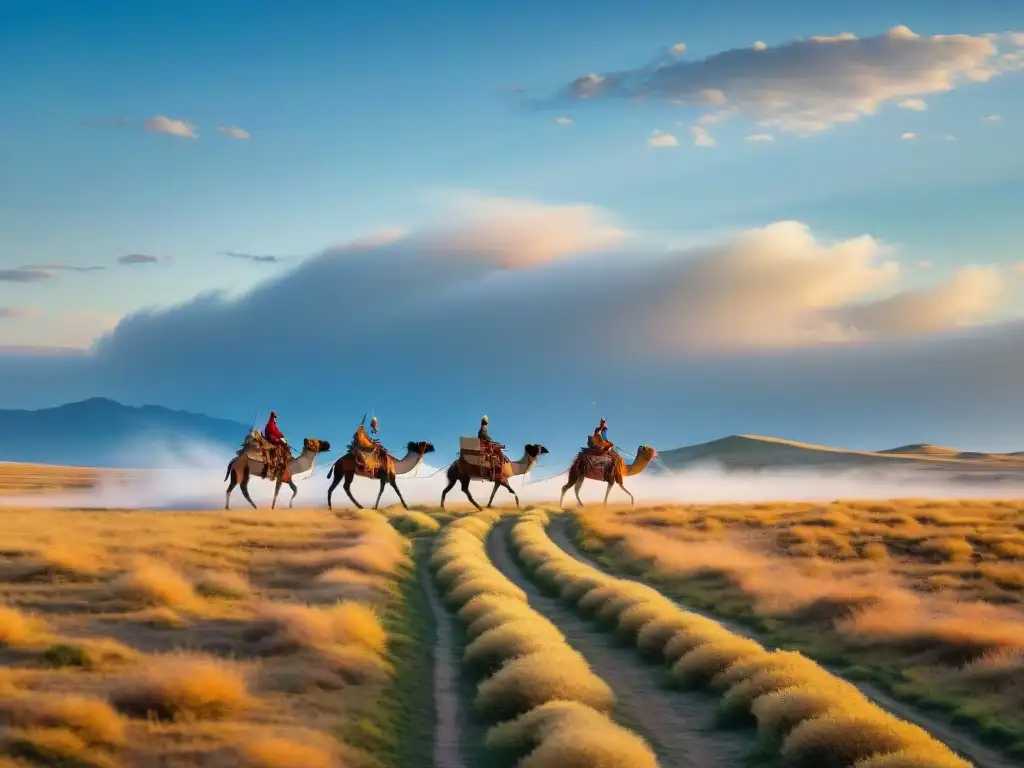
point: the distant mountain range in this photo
(100, 433)
(103, 433)
(756, 452)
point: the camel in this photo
(244, 466)
(462, 472)
(346, 468)
(583, 468)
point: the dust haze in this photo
(191, 477)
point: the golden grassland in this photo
(546, 705)
(924, 598)
(193, 638)
(808, 715)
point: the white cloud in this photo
(161, 124)
(760, 137)
(915, 105)
(950, 137)
(924, 264)
(662, 139)
(992, 118)
(678, 49)
(233, 132)
(701, 137)
(812, 84)
(908, 136)
(760, 45)
(564, 120)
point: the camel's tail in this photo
(330, 472)
(228, 473)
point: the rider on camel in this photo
(490, 449)
(599, 440)
(272, 434)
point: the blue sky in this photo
(363, 117)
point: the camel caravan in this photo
(268, 456)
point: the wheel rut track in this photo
(450, 717)
(968, 748)
(677, 724)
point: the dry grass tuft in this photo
(154, 583)
(280, 752)
(55, 747)
(188, 686)
(91, 719)
(561, 733)
(223, 584)
(284, 627)
(18, 629)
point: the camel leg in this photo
(348, 489)
(452, 479)
(334, 484)
(506, 484)
(465, 490)
(632, 501)
(607, 491)
(566, 487)
(394, 484)
(295, 492)
(277, 490)
(579, 484)
(243, 486)
(494, 490)
(231, 487)
(383, 483)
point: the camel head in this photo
(534, 450)
(646, 452)
(420, 448)
(316, 446)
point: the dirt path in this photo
(448, 728)
(677, 725)
(967, 747)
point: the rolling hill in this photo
(100, 432)
(753, 452)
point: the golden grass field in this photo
(303, 638)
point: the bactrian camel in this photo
(611, 470)
(462, 472)
(346, 469)
(244, 466)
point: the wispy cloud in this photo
(12, 313)
(992, 118)
(914, 105)
(171, 126)
(950, 137)
(908, 136)
(63, 266)
(660, 139)
(760, 137)
(141, 258)
(26, 275)
(564, 120)
(678, 49)
(812, 84)
(262, 259)
(702, 137)
(233, 132)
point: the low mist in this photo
(190, 476)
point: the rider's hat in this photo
(483, 420)
(374, 420)
(604, 421)
(273, 414)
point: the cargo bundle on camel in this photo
(270, 461)
(600, 461)
(481, 458)
(366, 457)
